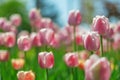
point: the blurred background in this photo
(58, 10)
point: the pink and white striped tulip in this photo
(24, 43)
(16, 19)
(74, 18)
(92, 41)
(71, 59)
(46, 60)
(100, 24)
(97, 68)
(9, 39)
(4, 55)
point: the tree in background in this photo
(9, 7)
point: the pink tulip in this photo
(74, 18)
(1, 38)
(15, 19)
(46, 35)
(79, 39)
(97, 68)
(84, 55)
(36, 39)
(71, 59)
(55, 41)
(25, 75)
(34, 14)
(46, 59)
(100, 24)
(2, 22)
(7, 26)
(4, 55)
(91, 41)
(24, 43)
(9, 39)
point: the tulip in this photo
(25, 75)
(91, 41)
(97, 68)
(46, 35)
(4, 55)
(84, 55)
(36, 39)
(46, 59)
(24, 43)
(7, 26)
(18, 63)
(15, 19)
(74, 18)
(2, 22)
(100, 24)
(34, 14)
(1, 38)
(9, 39)
(79, 39)
(71, 59)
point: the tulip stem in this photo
(72, 74)
(101, 45)
(74, 42)
(46, 74)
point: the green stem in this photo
(101, 45)
(72, 74)
(46, 74)
(74, 35)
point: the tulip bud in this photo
(74, 18)
(1, 38)
(18, 63)
(36, 39)
(97, 68)
(71, 59)
(100, 24)
(4, 55)
(24, 43)
(15, 19)
(25, 75)
(91, 41)
(2, 22)
(46, 35)
(46, 59)
(9, 39)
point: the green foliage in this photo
(9, 7)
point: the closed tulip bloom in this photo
(18, 63)
(34, 14)
(97, 68)
(9, 39)
(15, 19)
(24, 43)
(4, 55)
(25, 75)
(71, 59)
(36, 39)
(2, 22)
(74, 18)
(46, 59)
(1, 38)
(46, 35)
(92, 41)
(109, 34)
(100, 24)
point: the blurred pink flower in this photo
(46, 59)
(71, 59)
(92, 41)
(4, 55)
(24, 43)
(9, 39)
(74, 18)
(2, 22)
(97, 68)
(16, 19)
(100, 24)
